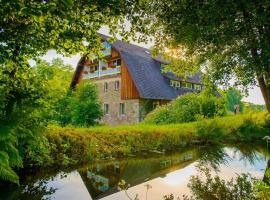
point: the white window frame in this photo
(122, 109)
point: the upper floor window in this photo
(106, 108)
(122, 109)
(116, 85)
(197, 87)
(105, 87)
(182, 84)
(175, 84)
(186, 85)
(94, 68)
(117, 62)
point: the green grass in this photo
(71, 145)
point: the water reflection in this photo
(164, 173)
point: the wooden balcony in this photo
(101, 73)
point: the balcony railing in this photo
(108, 71)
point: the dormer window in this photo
(175, 84)
(197, 87)
(186, 85)
(181, 84)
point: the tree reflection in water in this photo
(33, 190)
(205, 186)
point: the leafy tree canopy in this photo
(30, 28)
(230, 39)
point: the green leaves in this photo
(68, 3)
(229, 40)
(81, 108)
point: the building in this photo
(131, 82)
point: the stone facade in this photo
(112, 97)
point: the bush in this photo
(161, 115)
(209, 131)
(81, 107)
(187, 108)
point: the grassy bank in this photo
(79, 145)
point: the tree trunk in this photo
(265, 89)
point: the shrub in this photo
(81, 107)
(161, 115)
(187, 108)
(209, 131)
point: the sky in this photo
(254, 96)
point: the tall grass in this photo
(79, 145)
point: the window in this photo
(106, 109)
(94, 68)
(116, 85)
(186, 85)
(117, 62)
(171, 83)
(122, 109)
(175, 84)
(105, 87)
(197, 87)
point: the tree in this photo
(57, 76)
(230, 38)
(81, 107)
(233, 97)
(29, 29)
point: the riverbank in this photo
(70, 145)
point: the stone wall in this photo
(113, 98)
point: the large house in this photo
(131, 82)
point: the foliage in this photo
(28, 100)
(105, 142)
(21, 90)
(31, 28)
(219, 189)
(57, 76)
(251, 107)
(187, 108)
(205, 186)
(81, 107)
(230, 39)
(233, 97)
(9, 156)
(209, 131)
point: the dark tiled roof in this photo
(146, 73)
(196, 78)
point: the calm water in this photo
(163, 173)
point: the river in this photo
(149, 176)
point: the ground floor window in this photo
(106, 108)
(122, 109)
(105, 87)
(116, 85)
